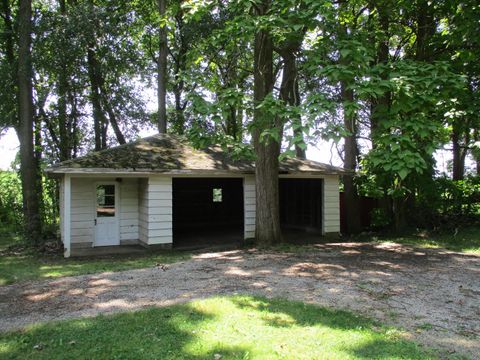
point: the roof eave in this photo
(55, 172)
(103, 171)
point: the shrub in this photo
(10, 199)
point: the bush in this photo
(379, 219)
(10, 199)
(11, 203)
(449, 202)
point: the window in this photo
(105, 200)
(217, 195)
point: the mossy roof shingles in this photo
(166, 153)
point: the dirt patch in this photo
(433, 294)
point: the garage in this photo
(300, 206)
(207, 211)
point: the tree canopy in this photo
(390, 82)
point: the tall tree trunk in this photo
(9, 53)
(459, 155)
(162, 72)
(95, 98)
(351, 198)
(267, 151)
(28, 169)
(63, 128)
(380, 106)
(112, 117)
(231, 123)
(104, 134)
(179, 110)
(476, 151)
(38, 152)
(289, 90)
(425, 29)
(352, 201)
(179, 66)
(74, 122)
(9, 31)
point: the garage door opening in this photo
(207, 212)
(301, 208)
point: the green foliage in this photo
(238, 327)
(442, 203)
(461, 197)
(10, 199)
(380, 219)
(11, 205)
(452, 203)
(412, 127)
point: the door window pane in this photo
(217, 195)
(105, 200)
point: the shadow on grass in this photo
(237, 327)
(301, 314)
(165, 333)
(379, 343)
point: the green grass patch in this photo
(466, 240)
(240, 327)
(14, 268)
(26, 264)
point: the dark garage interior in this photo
(300, 207)
(207, 211)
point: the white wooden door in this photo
(107, 230)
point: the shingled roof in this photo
(163, 153)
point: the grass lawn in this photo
(467, 240)
(240, 327)
(28, 265)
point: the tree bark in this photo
(476, 152)
(289, 90)
(63, 128)
(425, 29)
(231, 122)
(8, 34)
(352, 200)
(459, 155)
(162, 71)
(38, 153)
(179, 66)
(267, 150)
(381, 105)
(112, 117)
(9, 44)
(95, 98)
(28, 169)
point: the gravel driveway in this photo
(433, 294)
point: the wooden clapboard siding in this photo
(146, 212)
(249, 207)
(331, 208)
(159, 210)
(143, 211)
(62, 209)
(83, 209)
(129, 209)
